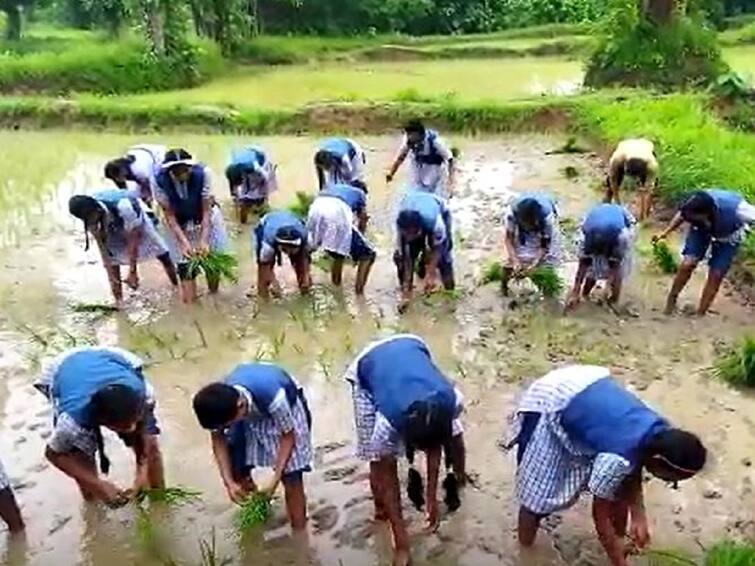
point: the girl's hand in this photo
(237, 493)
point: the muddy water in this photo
(491, 348)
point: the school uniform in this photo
(351, 161)
(186, 200)
(732, 217)
(610, 223)
(436, 233)
(266, 245)
(386, 378)
(252, 190)
(277, 406)
(635, 157)
(330, 226)
(71, 380)
(527, 245)
(429, 163)
(146, 166)
(355, 198)
(125, 214)
(577, 429)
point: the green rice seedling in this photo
(93, 308)
(570, 172)
(737, 365)
(145, 531)
(300, 207)
(730, 554)
(664, 258)
(323, 262)
(492, 273)
(173, 496)
(253, 512)
(278, 343)
(667, 558)
(547, 280)
(208, 553)
(216, 265)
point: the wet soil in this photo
(490, 346)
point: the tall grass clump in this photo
(114, 67)
(737, 365)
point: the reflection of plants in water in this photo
(325, 363)
(145, 340)
(278, 342)
(146, 533)
(48, 342)
(461, 370)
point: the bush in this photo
(106, 68)
(638, 52)
(742, 36)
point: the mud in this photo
(490, 348)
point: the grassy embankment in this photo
(54, 61)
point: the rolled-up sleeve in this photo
(607, 475)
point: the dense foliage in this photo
(663, 46)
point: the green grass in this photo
(739, 36)
(492, 273)
(472, 80)
(101, 67)
(731, 554)
(695, 149)
(737, 365)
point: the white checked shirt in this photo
(553, 471)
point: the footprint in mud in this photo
(58, 523)
(353, 502)
(323, 520)
(340, 474)
(324, 449)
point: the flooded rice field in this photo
(491, 347)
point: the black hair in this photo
(415, 127)
(682, 451)
(699, 203)
(115, 167)
(178, 154)
(116, 405)
(324, 159)
(361, 185)
(234, 174)
(427, 425)
(82, 207)
(409, 219)
(216, 405)
(530, 212)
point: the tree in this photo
(14, 16)
(655, 43)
